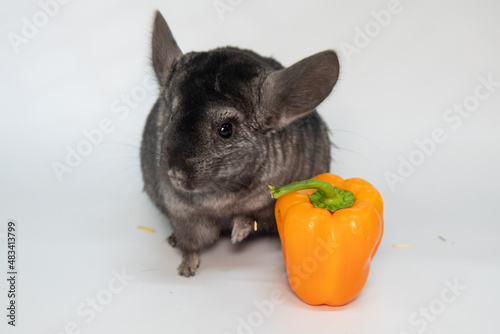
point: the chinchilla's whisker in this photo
(136, 134)
(133, 146)
(352, 151)
(366, 139)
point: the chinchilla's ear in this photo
(165, 50)
(295, 91)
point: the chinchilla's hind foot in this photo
(172, 240)
(241, 229)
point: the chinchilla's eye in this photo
(226, 130)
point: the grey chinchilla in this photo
(227, 124)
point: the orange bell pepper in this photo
(329, 236)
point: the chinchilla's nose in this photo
(178, 178)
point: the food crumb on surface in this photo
(147, 229)
(402, 246)
(441, 238)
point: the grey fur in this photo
(206, 184)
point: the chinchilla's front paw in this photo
(189, 264)
(241, 229)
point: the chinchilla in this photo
(228, 123)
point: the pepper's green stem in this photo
(327, 197)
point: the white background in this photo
(74, 235)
